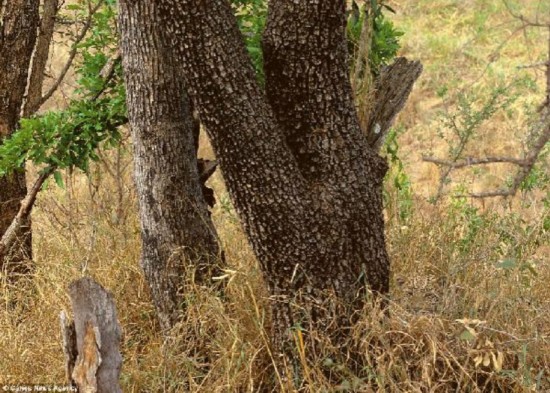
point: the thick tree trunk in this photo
(312, 98)
(20, 20)
(302, 176)
(178, 236)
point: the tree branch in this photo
(10, 236)
(27, 204)
(534, 65)
(107, 73)
(72, 53)
(523, 19)
(40, 59)
(393, 88)
(526, 165)
(474, 161)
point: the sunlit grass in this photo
(466, 285)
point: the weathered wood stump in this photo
(91, 342)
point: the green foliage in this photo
(63, 139)
(465, 120)
(385, 42)
(397, 178)
(468, 218)
(69, 138)
(251, 17)
(384, 36)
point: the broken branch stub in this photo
(96, 368)
(392, 89)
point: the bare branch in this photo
(525, 164)
(41, 52)
(475, 161)
(10, 236)
(107, 73)
(361, 63)
(109, 67)
(523, 19)
(492, 194)
(72, 53)
(534, 65)
(529, 163)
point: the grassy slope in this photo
(445, 259)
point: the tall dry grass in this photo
(470, 301)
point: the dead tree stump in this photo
(91, 342)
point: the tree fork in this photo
(306, 231)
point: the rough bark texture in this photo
(40, 58)
(17, 38)
(178, 235)
(10, 236)
(305, 182)
(392, 89)
(68, 343)
(97, 366)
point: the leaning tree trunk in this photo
(19, 22)
(178, 236)
(306, 184)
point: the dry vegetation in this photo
(470, 301)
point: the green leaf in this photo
(58, 179)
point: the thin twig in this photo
(72, 53)
(534, 65)
(523, 19)
(107, 73)
(475, 161)
(529, 163)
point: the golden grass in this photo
(446, 282)
(470, 301)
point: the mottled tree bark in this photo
(40, 57)
(20, 21)
(302, 176)
(92, 342)
(177, 233)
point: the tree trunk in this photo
(20, 20)
(40, 57)
(178, 236)
(302, 176)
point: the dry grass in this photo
(470, 301)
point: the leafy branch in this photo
(92, 9)
(70, 138)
